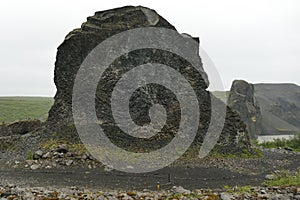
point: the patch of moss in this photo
(29, 155)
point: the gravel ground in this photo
(62, 174)
(15, 192)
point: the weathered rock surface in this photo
(80, 42)
(241, 99)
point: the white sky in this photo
(258, 40)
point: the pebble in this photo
(69, 162)
(35, 166)
(269, 177)
(225, 196)
(37, 155)
(181, 190)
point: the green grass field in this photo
(22, 108)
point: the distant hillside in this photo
(22, 108)
(280, 107)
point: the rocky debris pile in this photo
(242, 100)
(15, 192)
(10, 134)
(19, 128)
(58, 157)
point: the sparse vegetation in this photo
(22, 108)
(283, 143)
(239, 189)
(254, 153)
(54, 143)
(29, 155)
(193, 196)
(284, 178)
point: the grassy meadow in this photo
(23, 108)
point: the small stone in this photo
(69, 162)
(130, 193)
(277, 171)
(225, 196)
(60, 155)
(46, 155)
(181, 190)
(62, 149)
(288, 149)
(121, 195)
(263, 192)
(269, 177)
(35, 166)
(37, 155)
(11, 185)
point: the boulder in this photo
(104, 24)
(242, 100)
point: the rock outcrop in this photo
(80, 42)
(20, 127)
(241, 99)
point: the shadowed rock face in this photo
(241, 99)
(80, 42)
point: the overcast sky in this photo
(258, 40)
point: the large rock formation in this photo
(80, 42)
(241, 99)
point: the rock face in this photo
(241, 99)
(80, 42)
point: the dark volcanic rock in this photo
(20, 127)
(241, 99)
(80, 42)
